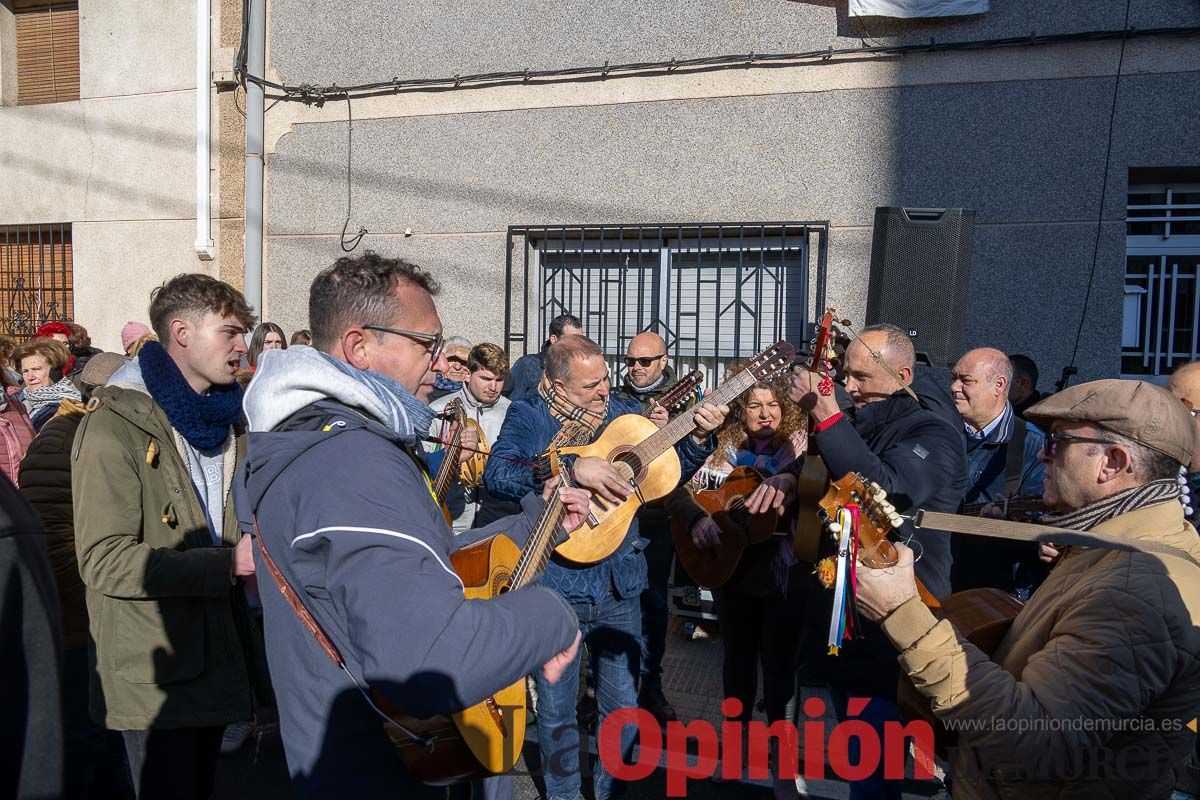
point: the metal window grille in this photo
(1161, 307)
(36, 281)
(716, 292)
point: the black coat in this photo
(31, 731)
(46, 484)
(917, 456)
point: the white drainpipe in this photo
(204, 246)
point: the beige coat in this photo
(1090, 693)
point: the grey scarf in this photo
(1088, 517)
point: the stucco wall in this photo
(1027, 154)
(119, 164)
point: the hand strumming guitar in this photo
(774, 493)
(601, 477)
(470, 443)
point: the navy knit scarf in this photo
(202, 420)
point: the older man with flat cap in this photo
(1091, 691)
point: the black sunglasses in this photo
(1050, 445)
(644, 361)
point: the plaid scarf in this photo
(579, 425)
(1088, 517)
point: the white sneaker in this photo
(236, 734)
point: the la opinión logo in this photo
(819, 749)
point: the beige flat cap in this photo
(1143, 412)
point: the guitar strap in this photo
(1027, 532)
(378, 702)
(1014, 458)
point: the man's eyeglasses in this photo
(434, 340)
(644, 361)
(1054, 439)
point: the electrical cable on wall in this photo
(348, 247)
(318, 95)
(1071, 369)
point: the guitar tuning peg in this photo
(896, 520)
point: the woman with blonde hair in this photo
(761, 607)
(41, 363)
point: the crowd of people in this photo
(201, 531)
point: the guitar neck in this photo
(675, 395)
(666, 437)
(540, 544)
(441, 481)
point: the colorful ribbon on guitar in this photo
(843, 621)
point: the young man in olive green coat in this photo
(158, 543)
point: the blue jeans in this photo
(877, 712)
(660, 552)
(612, 631)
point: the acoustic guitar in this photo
(714, 566)
(644, 455)
(487, 737)
(450, 455)
(982, 616)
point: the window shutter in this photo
(47, 53)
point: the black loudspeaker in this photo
(920, 263)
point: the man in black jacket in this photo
(647, 378)
(917, 457)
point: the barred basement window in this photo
(47, 52)
(36, 280)
(716, 292)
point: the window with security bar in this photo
(36, 280)
(1161, 312)
(717, 293)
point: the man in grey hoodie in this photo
(337, 484)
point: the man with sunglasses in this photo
(338, 494)
(647, 377)
(1091, 691)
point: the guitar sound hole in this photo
(632, 464)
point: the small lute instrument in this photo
(714, 566)
(645, 455)
(982, 616)
(450, 455)
(470, 473)
(678, 393)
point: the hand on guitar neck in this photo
(882, 591)
(470, 443)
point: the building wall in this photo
(1018, 134)
(118, 164)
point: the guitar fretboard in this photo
(665, 437)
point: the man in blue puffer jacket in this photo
(572, 408)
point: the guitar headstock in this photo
(823, 351)
(877, 518)
(771, 361)
(682, 390)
